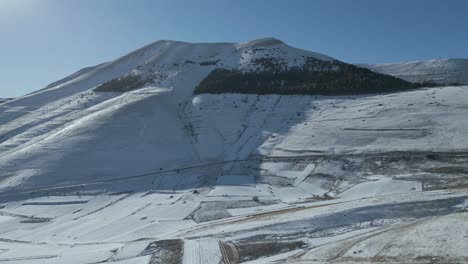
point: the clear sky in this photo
(45, 40)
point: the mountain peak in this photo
(261, 42)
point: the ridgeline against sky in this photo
(45, 40)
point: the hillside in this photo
(442, 71)
(114, 101)
(124, 163)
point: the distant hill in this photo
(2, 100)
(441, 71)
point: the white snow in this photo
(384, 186)
(271, 160)
(201, 251)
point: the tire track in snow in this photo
(104, 207)
(202, 251)
(229, 253)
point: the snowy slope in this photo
(445, 71)
(160, 175)
(145, 130)
(50, 130)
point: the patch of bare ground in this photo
(229, 253)
(165, 251)
(255, 250)
(450, 169)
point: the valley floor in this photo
(236, 219)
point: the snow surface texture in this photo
(445, 71)
(158, 175)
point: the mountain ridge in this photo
(442, 71)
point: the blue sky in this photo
(45, 40)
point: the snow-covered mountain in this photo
(443, 71)
(87, 119)
(122, 162)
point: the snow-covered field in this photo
(159, 175)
